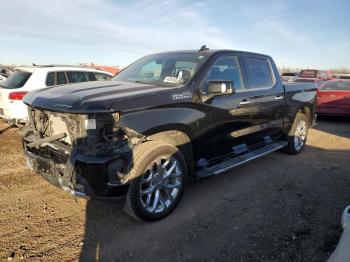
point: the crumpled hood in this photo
(99, 96)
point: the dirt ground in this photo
(277, 208)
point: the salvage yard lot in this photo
(277, 208)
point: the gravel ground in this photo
(277, 208)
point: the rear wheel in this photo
(159, 170)
(298, 134)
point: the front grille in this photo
(58, 152)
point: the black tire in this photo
(296, 141)
(145, 157)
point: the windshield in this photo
(337, 85)
(163, 69)
(16, 80)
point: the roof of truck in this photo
(209, 51)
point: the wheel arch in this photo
(178, 138)
(305, 111)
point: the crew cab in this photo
(166, 119)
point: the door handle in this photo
(245, 102)
(278, 97)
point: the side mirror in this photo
(217, 87)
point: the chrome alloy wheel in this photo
(300, 135)
(160, 184)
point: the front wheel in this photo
(298, 134)
(159, 173)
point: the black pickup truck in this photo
(166, 119)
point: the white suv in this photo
(26, 79)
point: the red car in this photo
(334, 98)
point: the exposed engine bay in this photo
(85, 154)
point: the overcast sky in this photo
(296, 33)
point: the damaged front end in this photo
(87, 155)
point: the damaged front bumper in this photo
(45, 168)
(88, 156)
(81, 175)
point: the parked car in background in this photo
(111, 69)
(3, 77)
(25, 79)
(318, 74)
(334, 98)
(341, 76)
(289, 77)
(316, 81)
(4, 73)
(164, 119)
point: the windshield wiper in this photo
(141, 82)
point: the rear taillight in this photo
(17, 95)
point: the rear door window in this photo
(61, 78)
(16, 80)
(259, 73)
(77, 77)
(50, 79)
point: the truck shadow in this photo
(102, 227)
